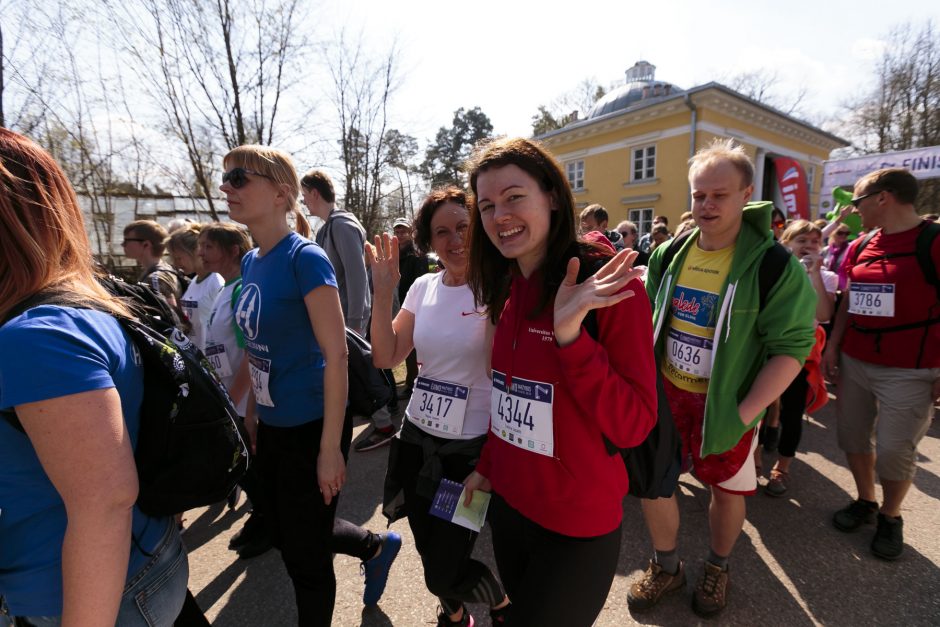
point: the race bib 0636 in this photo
(689, 353)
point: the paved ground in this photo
(790, 566)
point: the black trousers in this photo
(299, 522)
(792, 405)
(551, 579)
(445, 548)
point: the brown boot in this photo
(655, 583)
(711, 594)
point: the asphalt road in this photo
(790, 566)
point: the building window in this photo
(644, 163)
(643, 219)
(575, 171)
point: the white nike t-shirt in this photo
(197, 305)
(450, 339)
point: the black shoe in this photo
(256, 547)
(856, 514)
(250, 531)
(771, 438)
(888, 543)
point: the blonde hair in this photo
(185, 239)
(277, 165)
(42, 228)
(797, 228)
(724, 150)
(228, 235)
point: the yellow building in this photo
(630, 152)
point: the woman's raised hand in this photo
(573, 300)
(383, 259)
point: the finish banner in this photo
(792, 182)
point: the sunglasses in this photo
(626, 233)
(237, 179)
(131, 239)
(855, 201)
(842, 233)
(779, 224)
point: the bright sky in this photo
(508, 57)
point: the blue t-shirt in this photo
(45, 353)
(284, 359)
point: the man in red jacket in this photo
(888, 372)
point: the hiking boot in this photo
(856, 514)
(465, 621)
(888, 542)
(376, 569)
(778, 483)
(655, 583)
(252, 529)
(374, 440)
(711, 594)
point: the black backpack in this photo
(653, 467)
(189, 451)
(369, 387)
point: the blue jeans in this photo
(152, 598)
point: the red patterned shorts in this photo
(732, 471)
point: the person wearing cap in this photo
(411, 265)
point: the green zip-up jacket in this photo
(745, 336)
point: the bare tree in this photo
(568, 107)
(763, 85)
(902, 110)
(217, 71)
(362, 86)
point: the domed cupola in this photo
(641, 86)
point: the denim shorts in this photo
(153, 597)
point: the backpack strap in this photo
(922, 249)
(771, 268)
(862, 244)
(673, 248)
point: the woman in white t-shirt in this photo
(197, 300)
(804, 239)
(448, 417)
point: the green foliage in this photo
(451, 148)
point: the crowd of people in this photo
(518, 389)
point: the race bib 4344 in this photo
(522, 414)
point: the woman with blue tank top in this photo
(74, 548)
(290, 315)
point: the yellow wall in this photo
(607, 174)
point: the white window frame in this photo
(575, 173)
(643, 219)
(645, 158)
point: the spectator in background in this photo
(594, 218)
(630, 236)
(201, 293)
(647, 240)
(411, 265)
(834, 253)
(145, 242)
(659, 235)
(684, 226)
(778, 222)
(343, 239)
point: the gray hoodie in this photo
(343, 238)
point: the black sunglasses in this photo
(625, 233)
(856, 201)
(237, 179)
(131, 239)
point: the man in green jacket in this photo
(724, 359)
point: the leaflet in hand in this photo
(448, 504)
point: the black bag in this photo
(189, 451)
(369, 387)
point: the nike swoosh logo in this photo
(467, 313)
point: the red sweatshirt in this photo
(605, 388)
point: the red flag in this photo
(792, 181)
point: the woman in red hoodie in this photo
(562, 385)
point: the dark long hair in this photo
(489, 274)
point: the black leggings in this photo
(449, 572)
(792, 405)
(299, 522)
(551, 579)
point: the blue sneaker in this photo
(376, 569)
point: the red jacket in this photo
(605, 388)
